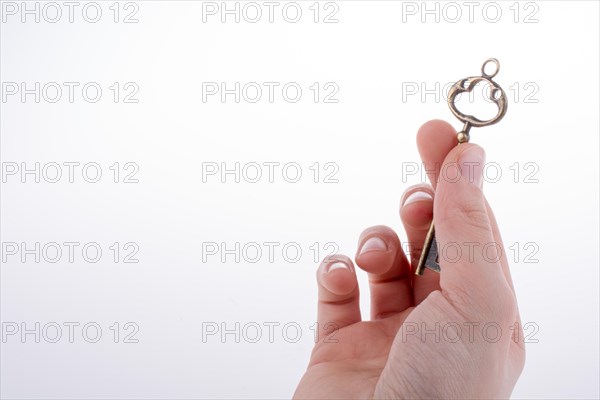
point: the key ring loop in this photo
(496, 70)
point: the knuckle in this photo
(468, 212)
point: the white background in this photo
(374, 53)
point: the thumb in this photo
(468, 255)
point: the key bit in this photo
(429, 254)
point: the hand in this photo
(451, 335)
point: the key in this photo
(429, 255)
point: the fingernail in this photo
(336, 265)
(373, 244)
(417, 196)
(472, 162)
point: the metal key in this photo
(429, 255)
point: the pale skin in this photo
(392, 355)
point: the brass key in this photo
(429, 255)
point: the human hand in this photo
(451, 335)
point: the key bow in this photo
(495, 94)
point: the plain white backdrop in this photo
(370, 73)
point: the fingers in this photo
(338, 304)
(416, 212)
(435, 139)
(379, 253)
(471, 276)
